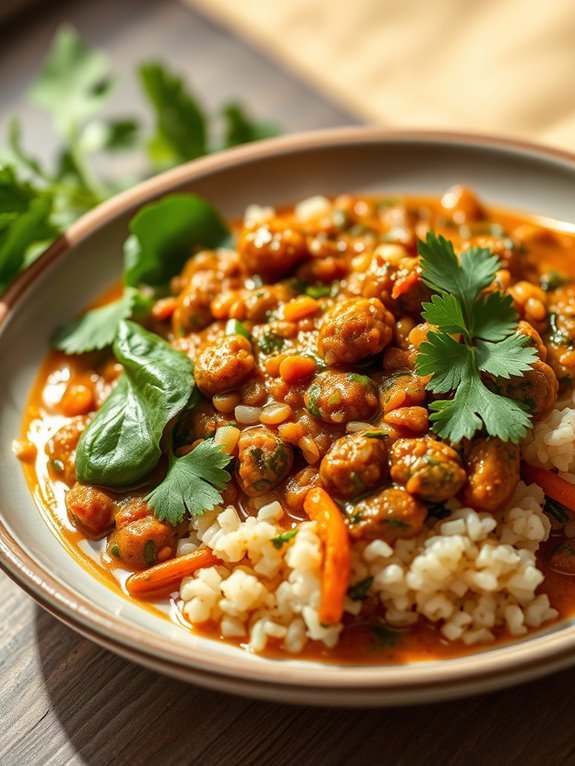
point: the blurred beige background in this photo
(499, 66)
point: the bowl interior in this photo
(278, 173)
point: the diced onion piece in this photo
(247, 416)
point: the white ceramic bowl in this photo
(81, 265)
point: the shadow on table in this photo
(113, 711)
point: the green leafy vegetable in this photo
(180, 121)
(24, 222)
(358, 592)
(73, 86)
(279, 540)
(122, 443)
(241, 129)
(96, 329)
(486, 324)
(193, 484)
(164, 235)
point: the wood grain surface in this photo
(64, 700)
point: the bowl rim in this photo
(505, 664)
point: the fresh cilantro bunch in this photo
(74, 85)
(476, 339)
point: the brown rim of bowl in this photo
(543, 653)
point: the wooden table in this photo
(63, 700)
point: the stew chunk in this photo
(492, 474)
(91, 509)
(264, 460)
(354, 465)
(428, 468)
(389, 515)
(340, 397)
(354, 329)
(224, 364)
(142, 543)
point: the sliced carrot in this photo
(169, 573)
(554, 486)
(295, 367)
(300, 307)
(337, 557)
(405, 285)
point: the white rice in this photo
(471, 573)
(551, 441)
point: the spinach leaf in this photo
(122, 444)
(164, 234)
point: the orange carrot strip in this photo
(337, 558)
(169, 573)
(554, 486)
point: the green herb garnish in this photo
(74, 85)
(318, 291)
(489, 344)
(557, 336)
(270, 342)
(164, 235)
(556, 510)
(358, 592)
(279, 540)
(235, 327)
(193, 483)
(384, 636)
(553, 280)
(150, 553)
(437, 511)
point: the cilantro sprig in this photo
(75, 86)
(486, 344)
(193, 484)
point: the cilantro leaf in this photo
(444, 273)
(494, 317)
(507, 357)
(444, 358)
(180, 122)
(72, 84)
(445, 312)
(96, 329)
(490, 345)
(193, 484)
(240, 129)
(24, 221)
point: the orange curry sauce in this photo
(358, 644)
